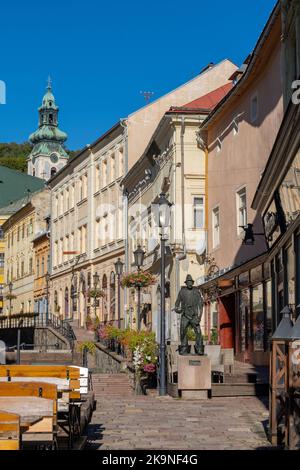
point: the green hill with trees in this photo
(13, 155)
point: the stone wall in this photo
(108, 362)
(49, 339)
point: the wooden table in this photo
(30, 409)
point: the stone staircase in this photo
(108, 385)
(247, 380)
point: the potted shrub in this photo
(89, 324)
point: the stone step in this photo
(239, 389)
(241, 378)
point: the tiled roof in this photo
(206, 102)
(15, 185)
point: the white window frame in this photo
(215, 240)
(200, 208)
(239, 208)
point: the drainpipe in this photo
(124, 124)
(181, 256)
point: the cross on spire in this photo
(49, 83)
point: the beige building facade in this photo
(173, 164)
(87, 229)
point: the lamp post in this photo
(47, 295)
(10, 287)
(139, 255)
(96, 282)
(119, 270)
(162, 216)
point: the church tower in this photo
(48, 154)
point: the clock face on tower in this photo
(54, 158)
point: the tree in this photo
(13, 155)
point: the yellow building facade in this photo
(3, 218)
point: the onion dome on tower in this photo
(48, 154)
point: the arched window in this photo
(112, 296)
(66, 302)
(53, 171)
(55, 300)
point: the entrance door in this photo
(226, 321)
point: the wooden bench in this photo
(74, 391)
(46, 430)
(9, 431)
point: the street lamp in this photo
(10, 287)
(119, 270)
(139, 255)
(96, 279)
(162, 216)
(47, 295)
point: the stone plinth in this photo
(194, 376)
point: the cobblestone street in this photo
(150, 422)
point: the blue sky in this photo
(101, 54)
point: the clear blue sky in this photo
(101, 54)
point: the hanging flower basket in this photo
(96, 293)
(138, 279)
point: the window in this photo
(43, 266)
(1, 260)
(37, 268)
(258, 318)
(104, 173)
(30, 265)
(254, 108)
(198, 210)
(112, 168)
(23, 231)
(241, 203)
(121, 163)
(22, 269)
(18, 234)
(30, 227)
(216, 227)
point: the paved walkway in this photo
(152, 422)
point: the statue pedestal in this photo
(194, 377)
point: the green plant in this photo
(214, 336)
(89, 345)
(191, 335)
(96, 293)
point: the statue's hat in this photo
(189, 278)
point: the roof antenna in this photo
(147, 95)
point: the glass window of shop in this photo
(245, 321)
(280, 284)
(268, 317)
(290, 274)
(290, 191)
(258, 317)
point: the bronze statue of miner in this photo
(189, 303)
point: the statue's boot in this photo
(183, 350)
